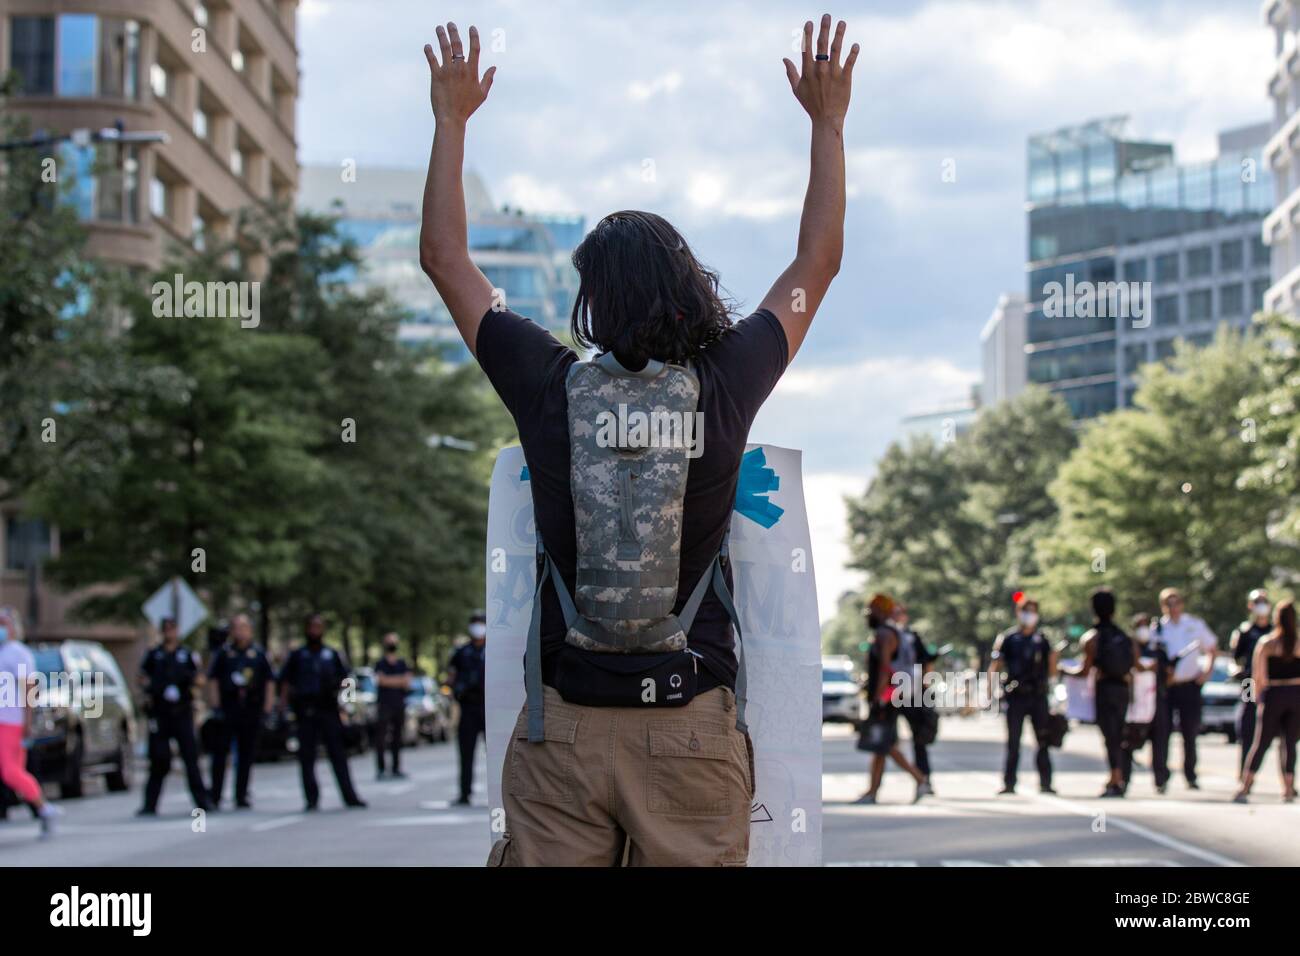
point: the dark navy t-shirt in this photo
(527, 367)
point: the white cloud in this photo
(639, 92)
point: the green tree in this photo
(947, 527)
(1272, 419)
(1156, 495)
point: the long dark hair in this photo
(642, 294)
(1284, 617)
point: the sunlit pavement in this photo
(411, 822)
(967, 824)
(408, 823)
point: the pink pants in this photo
(13, 764)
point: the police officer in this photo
(242, 695)
(466, 672)
(310, 684)
(168, 674)
(393, 678)
(1028, 662)
(1258, 624)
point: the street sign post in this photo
(176, 600)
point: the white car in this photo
(840, 689)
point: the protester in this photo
(1190, 645)
(18, 683)
(880, 733)
(242, 695)
(393, 678)
(310, 684)
(1114, 656)
(168, 675)
(1242, 643)
(467, 671)
(1028, 663)
(1276, 671)
(1153, 660)
(580, 784)
(913, 661)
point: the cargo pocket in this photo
(693, 771)
(499, 856)
(544, 771)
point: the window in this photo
(103, 181)
(1165, 349)
(159, 81)
(1257, 289)
(119, 61)
(199, 227)
(158, 198)
(1199, 306)
(1198, 261)
(1230, 255)
(1258, 252)
(200, 123)
(31, 53)
(1231, 300)
(79, 162)
(76, 61)
(1135, 270)
(1134, 357)
(1166, 310)
(237, 60)
(200, 14)
(77, 54)
(1167, 267)
(27, 542)
(237, 162)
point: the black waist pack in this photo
(595, 679)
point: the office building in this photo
(1130, 250)
(1002, 350)
(524, 255)
(220, 80)
(1282, 154)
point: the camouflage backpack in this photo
(631, 438)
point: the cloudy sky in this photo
(588, 95)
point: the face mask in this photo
(314, 639)
(1028, 618)
(478, 631)
(390, 648)
(1143, 633)
(1261, 609)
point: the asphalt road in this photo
(968, 824)
(410, 822)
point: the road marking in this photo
(278, 822)
(1082, 861)
(1209, 856)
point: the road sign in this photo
(176, 599)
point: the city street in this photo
(410, 822)
(967, 824)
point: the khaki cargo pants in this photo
(631, 786)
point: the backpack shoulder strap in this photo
(533, 654)
(715, 578)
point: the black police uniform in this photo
(1243, 642)
(171, 720)
(392, 713)
(242, 677)
(314, 675)
(1025, 662)
(470, 665)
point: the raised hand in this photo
(822, 85)
(455, 88)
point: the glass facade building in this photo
(1106, 210)
(525, 256)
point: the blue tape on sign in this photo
(756, 480)
(523, 473)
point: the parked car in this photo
(1220, 700)
(430, 709)
(84, 722)
(840, 690)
